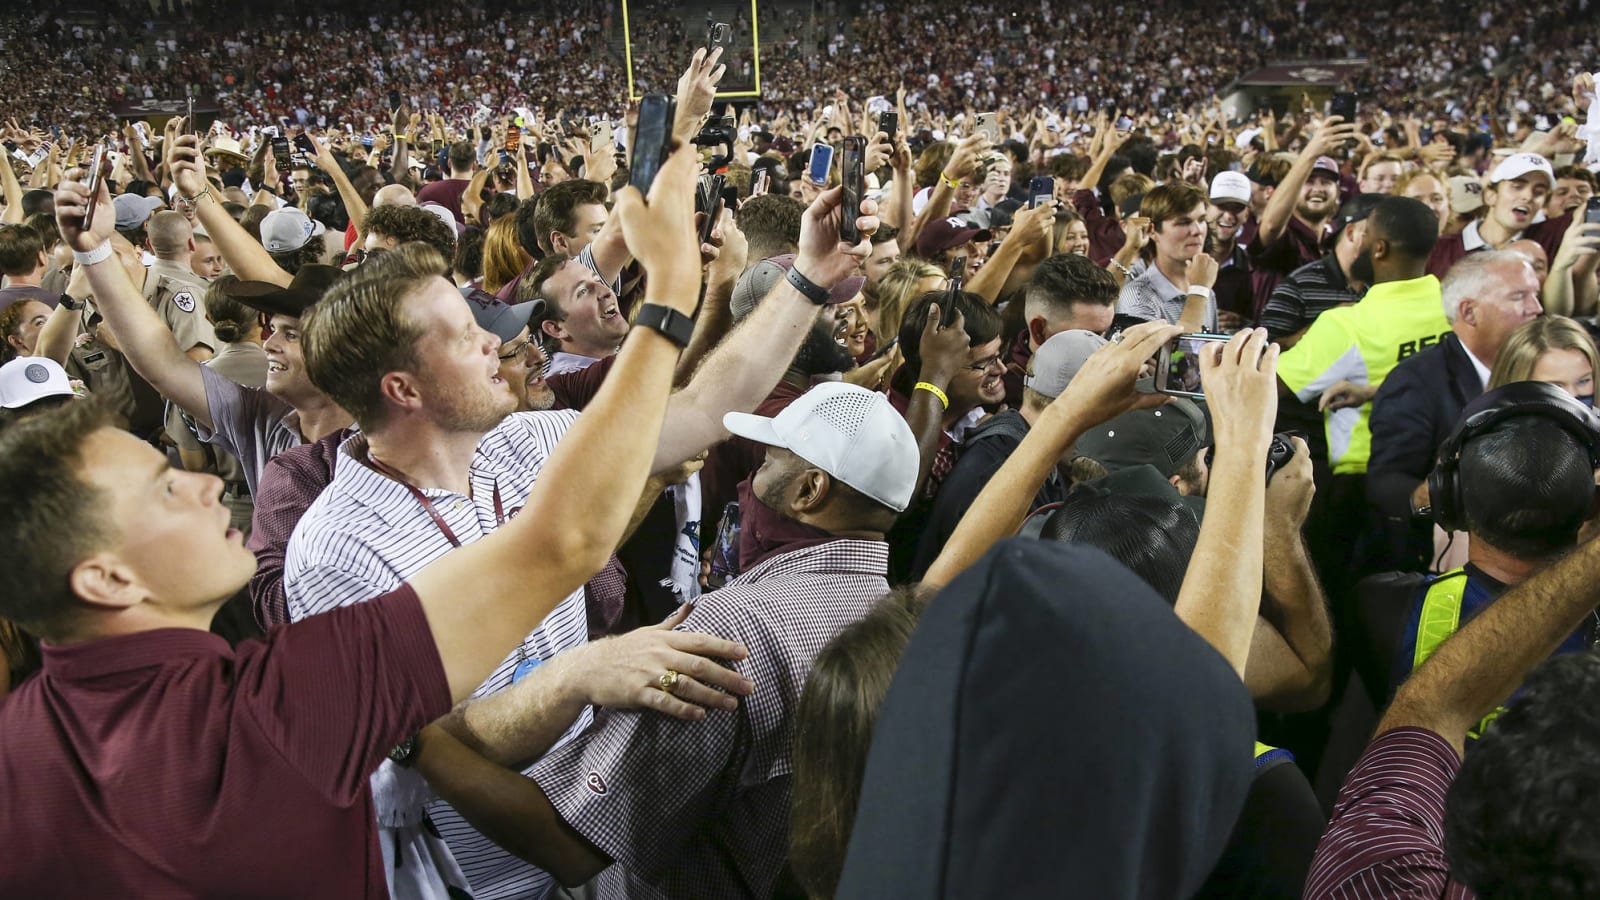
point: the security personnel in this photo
(171, 286)
(97, 361)
(1518, 475)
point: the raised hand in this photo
(660, 230)
(1106, 386)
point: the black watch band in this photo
(673, 325)
(809, 289)
(71, 303)
(404, 753)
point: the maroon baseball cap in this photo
(947, 233)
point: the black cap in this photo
(1356, 209)
(304, 290)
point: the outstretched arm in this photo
(243, 253)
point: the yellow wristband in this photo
(954, 184)
(944, 401)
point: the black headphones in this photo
(1488, 412)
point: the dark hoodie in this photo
(1053, 730)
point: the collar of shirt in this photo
(1483, 370)
(396, 505)
(1407, 289)
(1472, 240)
(146, 649)
(845, 556)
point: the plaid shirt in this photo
(701, 809)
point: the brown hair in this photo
(1522, 349)
(360, 331)
(1169, 201)
(11, 319)
(20, 247)
(1129, 185)
(51, 517)
(932, 161)
(230, 319)
(1376, 158)
(834, 721)
(411, 223)
(503, 256)
(558, 207)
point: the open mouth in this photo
(274, 367)
(991, 385)
(610, 312)
(1521, 212)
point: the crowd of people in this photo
(1120, 500)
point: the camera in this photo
(720, 133)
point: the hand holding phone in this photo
(989, 127)
(1178, 364)
(1343, 105)
(852, 178)
(1041, 190)
(650, 140)
(889, 123)
(821, 164)
(97, 172)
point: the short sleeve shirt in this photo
(167, 764)
(250, 423)
(1307, 293)
(701, 809)
(1153, 296)
(178, 296)
(1361, 344)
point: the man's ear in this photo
(553, 329)
(401, 388)
(814, 487)
(559, 243)
(1468, 311)
(1038, 330)
(105, 582)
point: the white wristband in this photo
(98, 255)
(1200, 290)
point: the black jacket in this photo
(1415, 410)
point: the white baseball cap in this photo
(28, 378)
(1232, 186)
(288, 229)
(849, 432)
(1519, 164)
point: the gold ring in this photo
(668, 681)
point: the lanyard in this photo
(427, 505)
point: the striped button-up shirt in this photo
(1386, 838)
(365, 535)
(1153, 296)
(701, 809)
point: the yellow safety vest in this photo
(1440, 618)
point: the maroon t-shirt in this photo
(446, 193)
(1299, 245)
(1450, 249)
(576, 390)
(166, 763)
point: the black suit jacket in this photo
(1414, 411)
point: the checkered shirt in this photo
(701, 809)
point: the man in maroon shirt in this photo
(147, 758)
(1515, 196)
(1295, 224)
(447, 193)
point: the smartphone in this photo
(759, 183)
(853, 178)
(602, 138)
(1178, 365)
(1591, 212)
(708, 200)
(280, 153)
(821, 163)
(190, 120)
(957, 273)
(650, 140)
(1125, 124)
(302, 142)
(1041, 190)
(718, 34)
(889, 123)
(988, 127)
(1343, 105)
(513, 137)
(97, 172)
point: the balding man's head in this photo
(170, 234)
(394, 195)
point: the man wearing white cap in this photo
(30, 384)
(659, 806)
(1515, 196)
(293, 238)
(1227, 212)
(989, 444)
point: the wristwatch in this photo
(69, 302)
(404, 753)
(673, 325)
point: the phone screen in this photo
(1041, 190)
(1343, 105)
(852, 177)
(650, 143)
(1591, 212)
(821, 163)
(1125, 124)
(758, 183)
(513, 137)
(1179, 371)
(280, 153)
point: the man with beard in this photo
(1294, 226)
(1226, 215)
(442, 459)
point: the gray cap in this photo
(1167, 437)
(1059, 359)
(757, 281)
(504, 320)
(134, 210)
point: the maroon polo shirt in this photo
(1106, 236)
(446, 193)
(1450, 248)
(1299, 245)
(167, 764)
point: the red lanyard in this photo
(427, 505)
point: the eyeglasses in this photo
(522, 348)
(993, 362)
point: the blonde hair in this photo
(1130, 184)
(360, 330)
(896, 290)
(503, 256)
(1516, 360)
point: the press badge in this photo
(524, 667)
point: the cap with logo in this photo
(1356, 209)
(1466, 194)
(501, 319)
(134, 210)
(849, 432)
(1326, 164)
(28, 378)
(288, 229)
(305, 289)
(946, 234)
(1230, 187)
(1519, 164)
(757, 281)
(1058, 359)
(1167, 437)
